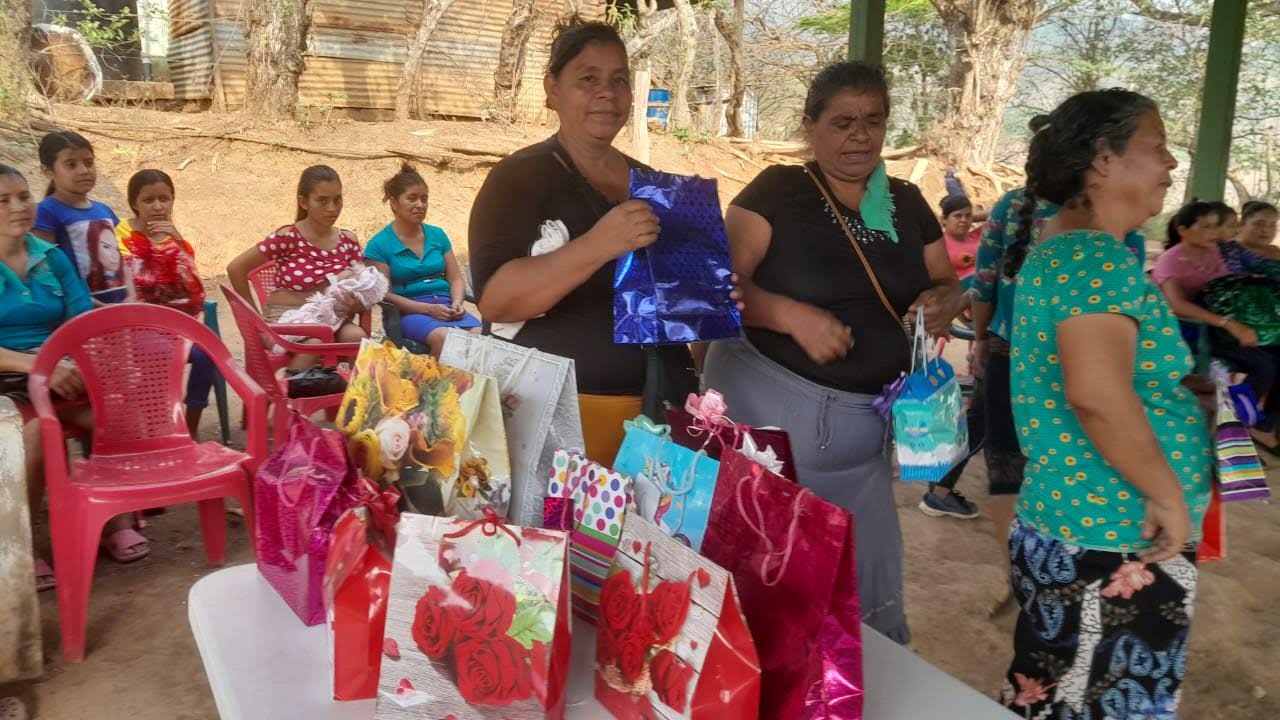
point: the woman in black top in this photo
(820, 341)
(558, 297)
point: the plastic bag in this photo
(929, 424)
(677, 290)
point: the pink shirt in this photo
(964, 253)
(303, 266)
(1190, 275)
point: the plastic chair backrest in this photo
(258, 339)
(132, 359)
(263, 280)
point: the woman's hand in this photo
(819, 333)
(941, 305)
(629, 226)
(1245, 335)
(66, 381)
(1168, 526)
(163, 227)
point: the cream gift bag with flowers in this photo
(433, 431)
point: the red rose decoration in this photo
(493, 671)
(632, 652)
(668, 608)
(671, 678)
(619, 603)
(433, 623)
(481, 608)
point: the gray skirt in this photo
(841, 454)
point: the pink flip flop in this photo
(45, 579)
(126, 546)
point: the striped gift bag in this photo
(1240, 473)
(591, 501)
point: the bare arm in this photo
(944, 300)
(457, 282)
(402, 303)
(1188, 310)
(818, 332)
(983, 313)
(1097, 353)
(527, 287)
(749, 237)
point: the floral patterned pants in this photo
(1100, 635)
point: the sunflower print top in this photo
(1070, 491)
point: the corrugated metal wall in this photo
(356, 52)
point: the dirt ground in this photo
(142, 662)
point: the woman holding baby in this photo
(306, 253)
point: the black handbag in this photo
(314, 382)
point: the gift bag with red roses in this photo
(356, 579)
(477, 622)
(671, 641)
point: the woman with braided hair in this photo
(1118, 453)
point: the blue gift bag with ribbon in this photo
(677, 289)
(672, 485)
(930, 429)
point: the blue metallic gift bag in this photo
(676, 290)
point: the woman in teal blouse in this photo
(426, 281)
(1119, 459)
(39, 290)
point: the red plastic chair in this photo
(264, 363)
(132, 359)
(263, 279)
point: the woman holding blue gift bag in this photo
(550, 223)
(832, 256)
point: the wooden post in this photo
(1218, 101)
(639, 116)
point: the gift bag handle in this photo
(686, 485)
(757, 526)
(920, 351)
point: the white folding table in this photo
(264, 664)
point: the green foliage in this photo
(100, 28)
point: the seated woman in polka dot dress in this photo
(306, 253)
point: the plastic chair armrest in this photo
(316, 331)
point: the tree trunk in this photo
(638, 44)
(732, 34)
(510, 72)
(275, 34)
(15, 67)
(686, 53)
(432, 11)
(989, 49)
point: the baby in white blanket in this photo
(362, 283)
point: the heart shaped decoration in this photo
(704, 577)
(404, 689)
(391, 648)
(636, 546)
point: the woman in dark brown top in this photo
(820, 342)
(575, 185)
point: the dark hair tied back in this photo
(1187, 216)
(573, 36)
(859, 77)
(143, 178)
(56, 142)
(1063, 149)
(953, 204)
(311, 177)
(397, 184)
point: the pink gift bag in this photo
(299, 493)
(791, 555)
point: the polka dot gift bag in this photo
(590, 501)
(929, 426)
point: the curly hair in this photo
(1063, 148)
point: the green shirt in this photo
(1070, 491)
(413, 275)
